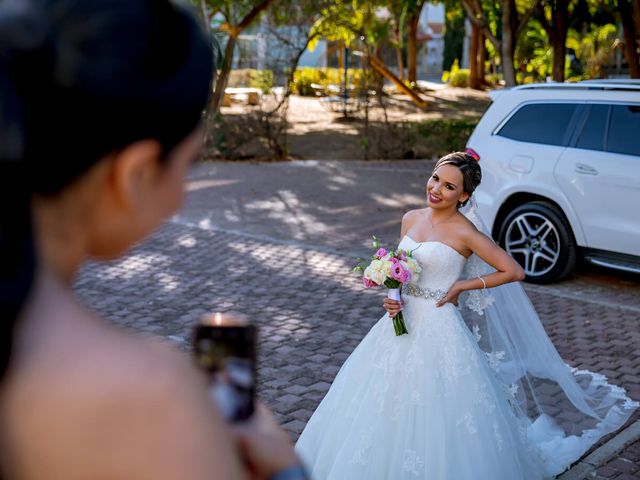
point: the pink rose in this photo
(395, 261)
(402, 255)
(381, 252)
(406, 276)
(368, 283)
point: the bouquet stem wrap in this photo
(398, 321)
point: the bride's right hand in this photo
(392, 307)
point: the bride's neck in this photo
(439, 215)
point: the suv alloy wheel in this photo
(539, 237)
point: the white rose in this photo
(367, 272)
(378, 276)
(386, 269)
(378, 266)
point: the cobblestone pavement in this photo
(625, 467)
(277, 242)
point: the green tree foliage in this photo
(514, 15)
(534, 55)
(453, 33)
(593, 48)
(350, 21)
(590, 40)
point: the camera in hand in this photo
(225, 347)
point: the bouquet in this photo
(391, 269)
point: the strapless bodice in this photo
(441, 264)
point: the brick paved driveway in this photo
(277, 242)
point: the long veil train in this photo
(562, 411)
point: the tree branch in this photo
(475, 14)
(246, 21)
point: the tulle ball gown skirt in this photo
(419, 406)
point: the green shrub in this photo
(493, 78)
(444, 136)
(305, 77)
(262, 79)
(457, 77)
(250, 77)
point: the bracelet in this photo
(295, 472)
(484, 284)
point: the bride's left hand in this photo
(451, 296)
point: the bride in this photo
(475, 391)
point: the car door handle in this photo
(586, 169)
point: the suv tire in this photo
(539, 237)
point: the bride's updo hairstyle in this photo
(468, 166)
(80, 79)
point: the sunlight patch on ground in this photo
(187, 241)
(167, 282)
(195, 185)
(396, 200)
(205, 224)
(134, 265)
(231, 216)
(290, 211)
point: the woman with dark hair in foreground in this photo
(100, 103)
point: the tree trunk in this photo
(398, 47)
(223, 76)
(400, 63)
(508, 43)
(559, 55)
(560, 25)
(473, 58)
(482, 58)
(412, 46)
(223, 73)
(557, 32)
(630, 41)
(511, 27)
(204, 15)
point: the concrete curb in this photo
(586, 469)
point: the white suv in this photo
(561, 175)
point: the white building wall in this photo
(431, 53)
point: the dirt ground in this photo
(316, 132)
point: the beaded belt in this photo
(429, 294)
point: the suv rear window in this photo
(540, 123)
(624, 130)
(592, 135)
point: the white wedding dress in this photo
(427, 405)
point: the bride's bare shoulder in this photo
(467, 230)
(412, 216)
